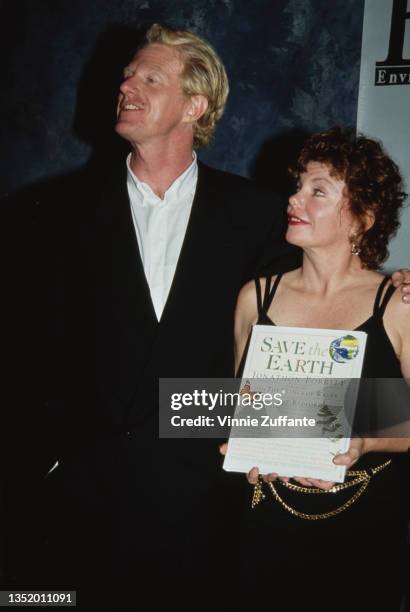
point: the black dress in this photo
(355, 558)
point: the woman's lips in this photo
(292, 220)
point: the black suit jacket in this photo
(97, 351)
(232, 229)
(101, 348)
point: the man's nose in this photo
(128, 86)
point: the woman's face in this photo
(319, 212)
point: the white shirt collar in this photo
(183, 185)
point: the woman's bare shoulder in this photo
(247, 301)
(247, 295)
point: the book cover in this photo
(315, 371)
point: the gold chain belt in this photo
(361, 477)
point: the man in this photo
(135, 278)
(139, 280)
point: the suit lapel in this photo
(126, 320)
(131, 293)
(131, 296)
(206, 219)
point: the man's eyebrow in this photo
(130, 69)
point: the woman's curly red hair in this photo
(373, 182)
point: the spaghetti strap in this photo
(263, 304)
(377, 305)
(271, 295)
(386, 298)
(258, 295)
(266, 294)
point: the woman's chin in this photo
(292, 238)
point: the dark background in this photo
(293, 67)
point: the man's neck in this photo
(160, 166)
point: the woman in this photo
(342, 214)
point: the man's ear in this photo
(196, 108)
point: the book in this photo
(316, 372)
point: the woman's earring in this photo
(355, 248)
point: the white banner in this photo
(384, 97)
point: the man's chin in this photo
(122, 129)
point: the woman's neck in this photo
(327, 272)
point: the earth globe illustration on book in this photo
(344, 349)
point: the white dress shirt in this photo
(160, 226)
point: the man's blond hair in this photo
(203, 74)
